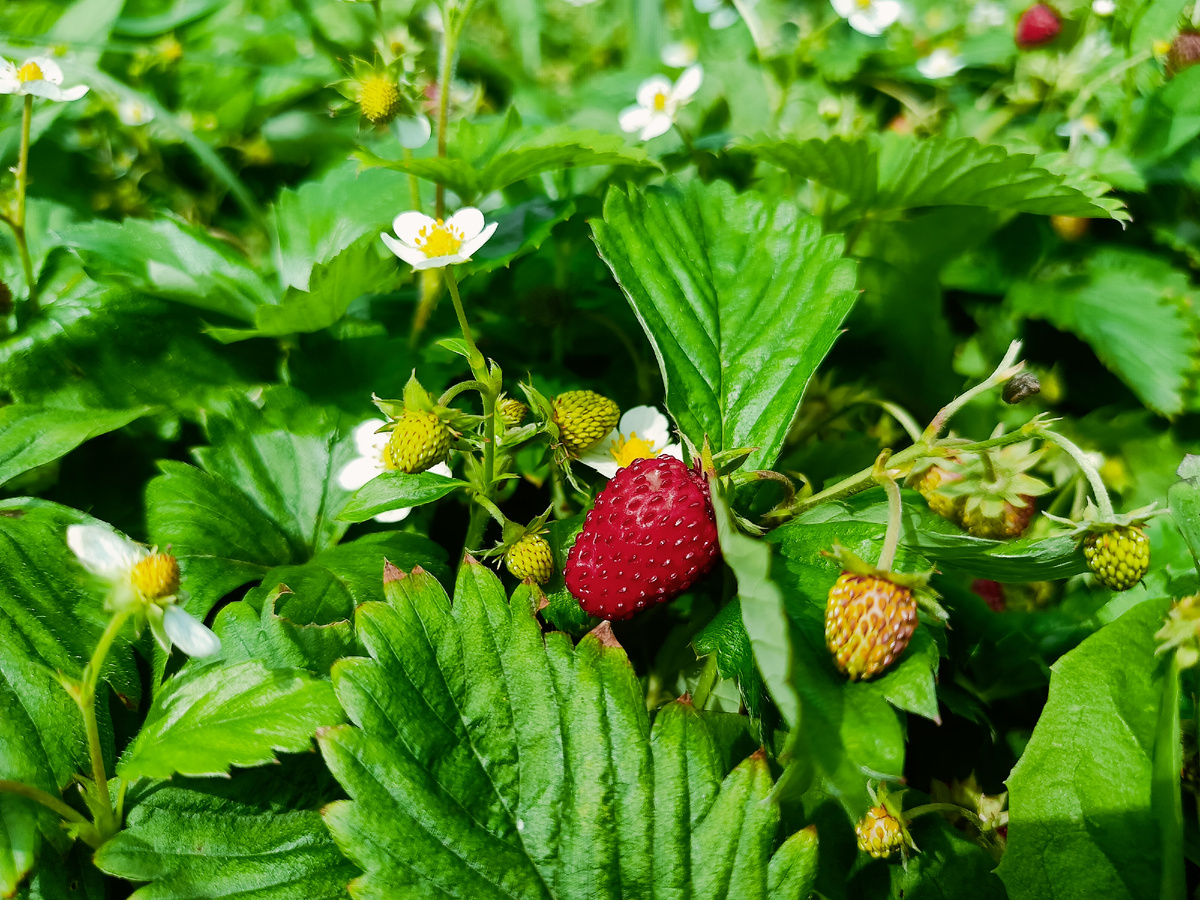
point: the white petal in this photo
(679, 54)
(441, 469)
(660, 123)
(648, 423)
(467, 250)
(412, 132)
(358, 472)
(844, 8)
(437, 262)
(468, 221)
(688, 83)
(600, 457)
(74, 93)
(103, 552)
(366, 441)
(635, 118)
(707, 6)
(723, 18)
(394, 515)
(50, 70)
(675, 450)
(651, 88)
(410, 255)
(42, 89)
(9, 82)
(408, 225)
(1098, 136)
(188, 633)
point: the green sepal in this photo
(1093, 523)
(513, 532)
(728, 461)
(918, 582)
(415, 396)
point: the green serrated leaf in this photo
(726, 636)
(330, 586)
(398, 490)
(36, 435)
(167, 259)
(186, 840)
(280, 642)
(487, 157)
(1080, 816)
(741, 298)
(895, 173)
(1128, 306)
(528, 767)
(211, 717)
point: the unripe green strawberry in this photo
(1010, 523)
(512, 411)
(419, 441)
(584, 419)
(1119, 558)
(868, 623)
(530, 557)
(879, 833)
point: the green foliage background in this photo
(825, 236)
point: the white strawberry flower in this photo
(427, 243)
(142, 583)
(658, 101)
(39, 76)
(1104, 7)
(987, 15)
(870, 17)
(1084, 128)
(371, 462)
(642, 433)
(133, 112)
(941, 63)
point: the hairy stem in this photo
(891, 539)
(1007, 369)
(47, 800)
(476, 358)
(1099, 491)
(31, 304)
(86, 700)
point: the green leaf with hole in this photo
(741, 297)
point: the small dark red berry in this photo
(651, 536)
(1038, 25)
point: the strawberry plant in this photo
(599, 449)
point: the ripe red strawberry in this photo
(1038, 25)
(651, 536)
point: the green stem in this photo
(414, 186)
(901, 415)
(1007, 369)
(1103, 503)
(86, 700)
(984, 827)
(47, 800)
(377, 5)
(891, 539)
(476, 527)
(460, 388)
(489, 440)
(31, 305)
(445, 74)
(706, 682)
(476, 358)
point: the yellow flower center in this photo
(379, 99)
(31, 71)
(865, 4)
(660, 101)
(439, 239)
(628, 449)
(156, 576)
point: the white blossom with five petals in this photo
(869, 17)
(39, 76)
(1086, 127)
(427, 243)
(658, 102)
(941, 63)
(119, 563)
(643, 433)
(371, 444)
